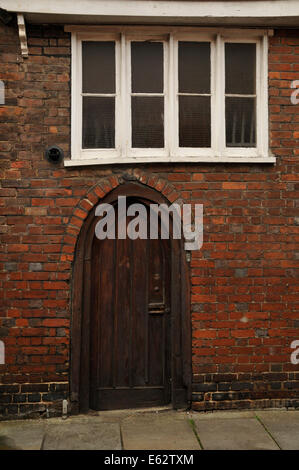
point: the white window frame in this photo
(193, 153)
(123, 153)
(128, 151)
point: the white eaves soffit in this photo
(267, 13)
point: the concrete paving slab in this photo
(231, 414)
(23, 435)
(159, 431)
(82, 435)
(233, 434)
(283, 426)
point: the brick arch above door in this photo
(103, 187)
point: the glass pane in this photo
(147, 67)
(240, 122)
(194, 67)
(98, 64)
(98, 122)
(240, 66)
(147, 121)
(194, 121)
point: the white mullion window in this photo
(218, 122)
(124, 118)
(100, 96)
(147, 66)
(241, 97)
(140, 95)
(194, 95)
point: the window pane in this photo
(147, 67)
(240, 122)
(194, 121)
(194, 67)
(148, 121)
(98, 122)
(240, 68)
(98, 63)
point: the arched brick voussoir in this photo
(99, 191)
(159, 184)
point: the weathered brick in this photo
(34, 388)
(19, 398)
(35, 267)
(244, 280)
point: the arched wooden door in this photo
(130, 318)
(131, 325)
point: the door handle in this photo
(158, 309)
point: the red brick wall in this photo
(244, 279)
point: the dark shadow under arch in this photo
(180, 307)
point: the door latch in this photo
(158, 309)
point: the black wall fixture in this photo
(54, 154)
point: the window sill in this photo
(197, 159)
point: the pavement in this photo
(156, 429)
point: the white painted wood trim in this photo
(125, 119)
(177, 150)
(123, 153)
(118, 107)
(144, 152)
(264, 114)
(22, 35)
(167, 97)
(154, 8)
(107, 161)
(259, 98)
(219, 128)
(213, 89)
(175, 74)
(128, 95)
(77, 96)
(76, 111)
(207, 32)
(262, 139)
